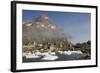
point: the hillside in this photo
(43, 30)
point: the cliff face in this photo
(43, 30)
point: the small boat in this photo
(32, 56)
(52, 53)
(77, 52)
(37, 53)
(49, 57)
(61, 52)
(44, 53)
(67, 52)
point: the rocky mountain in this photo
(42, 28)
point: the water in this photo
(54, 56)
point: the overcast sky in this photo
(76, 25)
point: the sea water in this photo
(53, 56)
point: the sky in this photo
(76, 25)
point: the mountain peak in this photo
(42, 21)
(42, 27)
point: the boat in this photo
(50, 57)
(32, 56)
